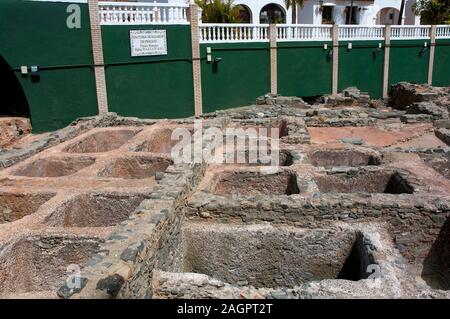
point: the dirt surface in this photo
(12, 130)
(373, 136)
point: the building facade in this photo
(362, 12)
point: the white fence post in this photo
(335, 75)
(273, 59)
(387, 55)
(196, 58)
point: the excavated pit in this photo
(436, 266)
(440, 163)
(160, 142)
(285, 158)
(39, 263)
(253, 183)
(101, 142)
(264, 131)
(363, 182)
(332, 158)
(94, 210)
(14, 206)
(135, 167)
(55, 167)
(271, 257)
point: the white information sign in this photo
(148, 42)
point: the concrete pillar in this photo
(273, 59)
(335, 76)
(196, 62)
(432, 49)
(97, 52)
(387, 54)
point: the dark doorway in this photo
(245, 14)
(351, 13)
(272, 13)
(13, 99)
(327, 15)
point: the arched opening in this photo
(272, 13)
(14, 101)
(245, 14)
(388, 16)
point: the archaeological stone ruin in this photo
(358, 205)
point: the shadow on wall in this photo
(14, 101)
(436, 266)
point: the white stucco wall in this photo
(310, 13)
(255, 7)
(366, 15)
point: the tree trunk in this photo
(400, 15)
(294, 13)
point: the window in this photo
(327, 15)
(351, 13)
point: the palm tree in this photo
(218, 11)
(294, 4)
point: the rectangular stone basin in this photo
(268, 159)
(330, 158)
(39, 263)
(267, 256)
(135, 167)
(100, 142)
(436, 266)
(363, 182)
(55, 166)
(94, 210)
(254, 182)
(261, 130)
(16, 205)
(161, 141)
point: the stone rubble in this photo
(358, 208)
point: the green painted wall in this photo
(361, 66)
(298, 63)
(149, 87)
(409, 61)
(35, 33)
(441, 69)
(242, 75)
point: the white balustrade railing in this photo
(405, 32)
(443, 31)
(134, 13)
(358, 32)
(233, 32)
(119, 13)
(302, 32)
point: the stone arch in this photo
(387, 15)
(272, 13)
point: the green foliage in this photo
(219, 11)
(290, 3)
(433, 11)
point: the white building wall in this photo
(308, 14)
(311, 14)
(255, 7)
